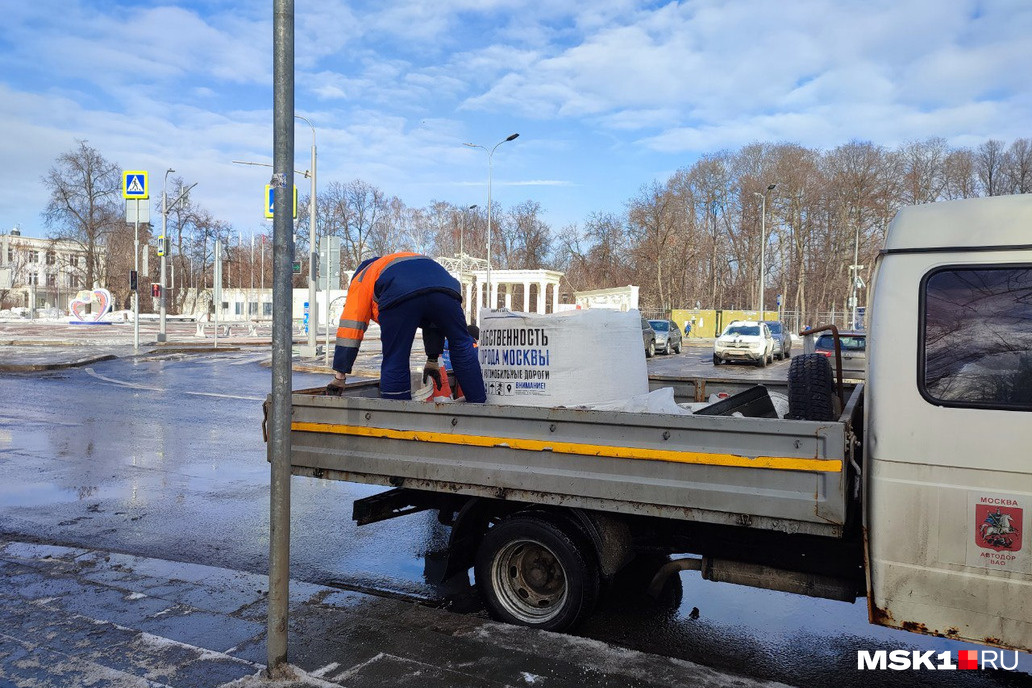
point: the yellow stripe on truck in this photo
(783, 463)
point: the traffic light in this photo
(155, 289)
(133, 284)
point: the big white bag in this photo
(562, 359)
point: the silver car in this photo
(668, 336)
(648, 338)
(854, 352)
(782, 339)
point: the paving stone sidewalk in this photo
(81, 617)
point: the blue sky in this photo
(606, 95)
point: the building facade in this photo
(39, 273)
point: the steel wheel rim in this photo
(530, 581)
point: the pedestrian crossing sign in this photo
(134, 184)
(270, 197)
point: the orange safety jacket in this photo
(378, 284)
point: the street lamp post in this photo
(313, 318)
(136, 288)
(763, 242)
(164, 225)
(163, 239)
(490, 155)
(854, 271)
(462, 236)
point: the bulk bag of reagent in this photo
(562, 359)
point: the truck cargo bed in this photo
(782, 475)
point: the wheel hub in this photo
(530, 581)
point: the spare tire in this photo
(811, 388)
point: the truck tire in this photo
(716, 360)
(811, 389)
(533, 572)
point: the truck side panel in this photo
(765, 473)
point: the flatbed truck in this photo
(912, 489)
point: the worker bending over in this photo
(403, 291)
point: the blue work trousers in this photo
(398, 329)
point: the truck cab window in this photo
(977, 337)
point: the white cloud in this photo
(619, 86)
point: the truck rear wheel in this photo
(533, 572)
(811, 389)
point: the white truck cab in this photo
(948, 493)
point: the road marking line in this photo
(319, 673)
(133, 385)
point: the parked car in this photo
(854, 352)
(648, 338)
(668, 336)
(782, 339)
(744, 340)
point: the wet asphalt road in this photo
(163, 457)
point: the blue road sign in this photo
(134, 184)
(270, 198)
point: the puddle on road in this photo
(41, 494)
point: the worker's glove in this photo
(432, 369)
(336, 386)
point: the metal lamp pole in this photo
(763, 241)
(136, 291)
(165, 207)
(490, 155)
(164, 227)
(462, 241)
(313, 312)
(855, 270)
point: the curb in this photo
(191, 350)
(41, 367)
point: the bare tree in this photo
(652, 227)
(570, 255)
(920, 170)
(530, 237)
(607, 252)
(352, 212)
(990, 161)
(391, 231)
(84, 206)
(959, 169)
(695, 236)
(434, 230)
(1018, 170)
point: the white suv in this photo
(744, 340)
